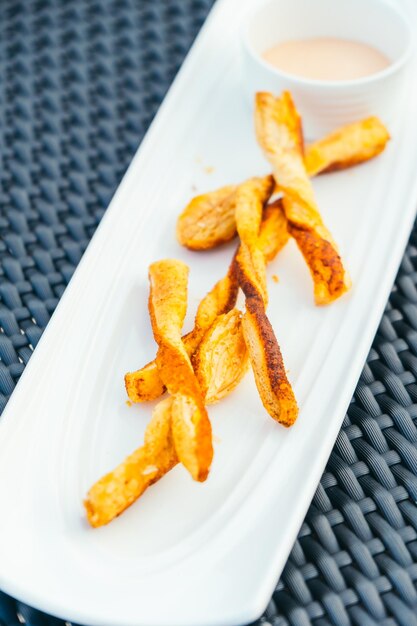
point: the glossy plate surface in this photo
(191, 554)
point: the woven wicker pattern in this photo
(79, 84)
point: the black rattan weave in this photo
(80, 81)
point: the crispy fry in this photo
(221, 360)
(208, 220)
(252, 262)
(273, 234)
(279, 133)
(324, 263)
(347, 146)
(191, 427)
(278, 129)
(146, 384)
(251, 196)
(268, 367)
(199, 226)
(117, 490)
(221, 363)
(264, 351)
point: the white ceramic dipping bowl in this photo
(325, 105)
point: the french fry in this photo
(346, 147)
(191, 427)
(221, 362)
(279, 133)
(209, 219)
(207, 363)
(118, 489)
(251, 197)
(268, 367)
(146, 384)
(264, 351)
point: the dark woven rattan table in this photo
(80, 81)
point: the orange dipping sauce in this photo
(326, 58)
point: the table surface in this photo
(79, 84)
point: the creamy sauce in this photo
(326, 58)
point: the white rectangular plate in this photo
(190, 554)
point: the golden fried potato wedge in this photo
(279, 133)
(221, 359)
(347, 146)
(271, 380)
(118, 489)
(191, 427)
(199, 226)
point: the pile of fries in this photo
(203, 366)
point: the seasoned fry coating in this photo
(251, 261)
(268, 367)
(118, 489)
(146, 384)
(191, 427)
(323, 261)
(199, 226)
(278, 129)
(264, 351)
(221, 359)
(251, 197)
(347, 146)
